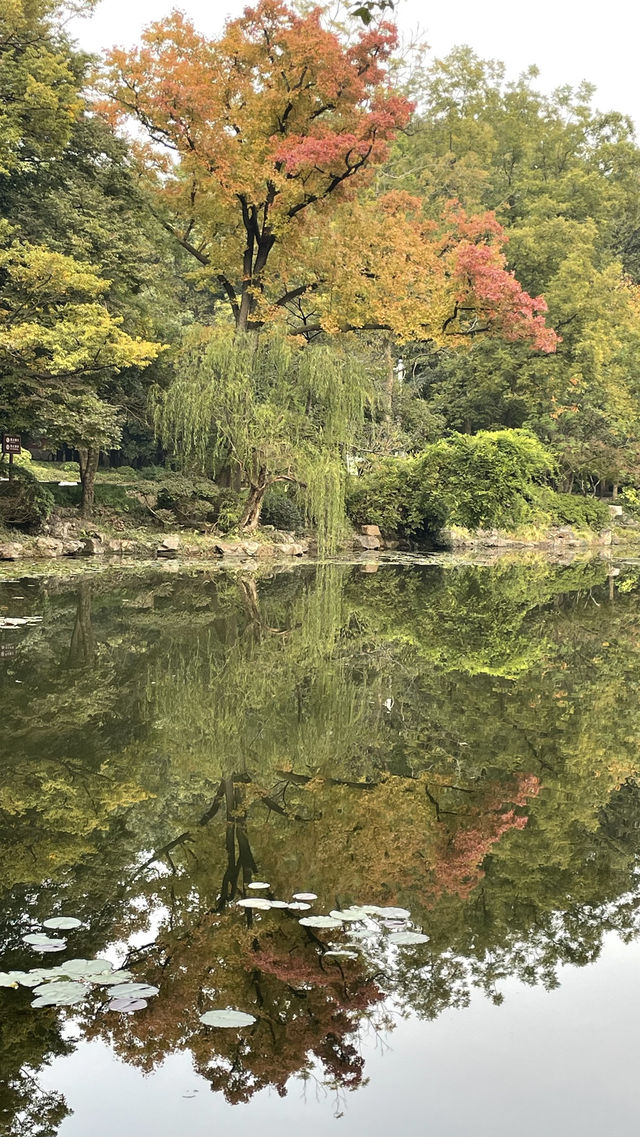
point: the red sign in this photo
(11, 444)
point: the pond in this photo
(389, 814)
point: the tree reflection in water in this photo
(461, 741)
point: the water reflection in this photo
(462, 742)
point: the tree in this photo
(57, 340)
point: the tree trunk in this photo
(88, 462)
(614, 493)
(251, 515)
(83, 641)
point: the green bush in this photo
(25, 503)
(198, 501)
(282, 511)
(570, 509)
(475, 481)
(483, 480)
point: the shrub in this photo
(483, 480)
(570, 509)
(390, 494)
(281, 510)
(25, 503)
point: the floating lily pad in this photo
(320, 922)
(348, 914)
(337, 954)
(54, 945)
(304, 896)
(363, 934)
(86, 968)
(35, 978)
(11, 978)
(127, 1005)
(133, 991)
(406, 939)
(258, 884)
(226, 1018)
(59, 995)
(279, 904)
(386, 913)
(258, 902)
(62, 923)
(59, 988)
(299, 906)
(40, 939)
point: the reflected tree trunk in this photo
(82, 648)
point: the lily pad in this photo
(226, 1018)
(304, 896)
(86, 968)
(40, 975)
(348, 914)
(133, 991)
(299, 906)
(258, 902)
(279, 904)
(11, 978)
(40, 939)
(54, 945)
(62, 923)
(406, 939)
(127, 1005)
(386, 913)
(320, 922)
(59, 995)
(258, 884)
(336, 954)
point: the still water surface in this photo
(458, 741)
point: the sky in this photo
(569, 40)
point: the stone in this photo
(171, 541)
(11, 551)
(72, 547)
(228, 549)
(616, 510)
(92, 547)
(606, 537)
(371, 567)
(290, 550)
(166, 554)
(364, 542)
(47, 547)
(390, 543)
(370, 530)
(251, 548)
(266, 549)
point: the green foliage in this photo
(387, 494)
(281, 511)
(580, 511)
(24, 501)
(275, 410)
(196, 501)
(483, 479)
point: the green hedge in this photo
(493, 479)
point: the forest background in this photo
(275, 259)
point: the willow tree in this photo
(279, 411)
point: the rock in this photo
(171, 542)
(11, 551)
(228, 549)
(47, 547)
(72, 547)
(616, 510)
(292, 550)
(364, 542)
(606, 537)
(166, 554)
(390, 543)
(251, 548)
(371, 567)
(370, 530)
(120, 545)
(266, 549)
(92, 547)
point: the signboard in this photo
(11, 444)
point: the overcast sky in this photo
(569, 40)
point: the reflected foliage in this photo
(459, 740)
